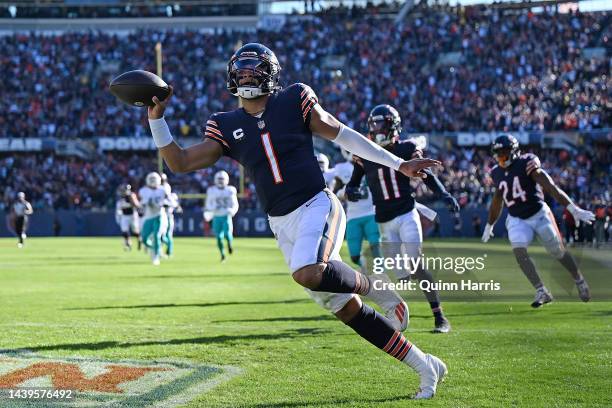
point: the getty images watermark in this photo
(457, 265)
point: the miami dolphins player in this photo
(172, 205)
(221, 206)
(271, 135)
(153, 198)
(360, 221)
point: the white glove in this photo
(208, 215)
(488, 233)
(581, 215)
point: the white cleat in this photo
(20, 245)
(398, 316)
(583, 290)
(431, 375)
(156, 260)
(542, 297)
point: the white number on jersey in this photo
(517, 191)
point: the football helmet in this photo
(323, 162)
(221, 179)
(505, 149)
(153, 180)
(257, 67)
(384, 125)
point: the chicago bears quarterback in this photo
(271, 136)
(519, 181)
(396, 212)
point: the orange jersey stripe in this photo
(330, 242)
(212, 129)
(217, 138)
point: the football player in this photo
(360, 221)
(221, 206)
(520, 183)
(271, 136)
(392, 194)
(127, 215)
(22, 210)
(153, 198)
(172, 205)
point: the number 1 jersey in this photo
(276, 149)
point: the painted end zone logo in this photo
(97, 383)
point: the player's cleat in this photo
(230, 249)
(583, 290)
(442, 325)
(542, 297)
(139, 244)
(127, 247)
(222, 258)
(156, 260)
(431, 375)
(19, 245)
(398, 315)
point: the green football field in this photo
(260, 342)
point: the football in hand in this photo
(137, 88)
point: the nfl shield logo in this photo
(261, 124)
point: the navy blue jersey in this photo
(391, 191)
(276, 149)
(522, 195)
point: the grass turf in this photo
(64, 297)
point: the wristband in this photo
(160, 131)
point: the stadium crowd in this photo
(504, 71)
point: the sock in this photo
(377, 329)
(436, 309)
(338, 277)
(229, 245)
(569, 263)
(126, 238)
(528, 267)
(423, 274)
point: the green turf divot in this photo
(107, 383)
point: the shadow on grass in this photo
(205, 275)
(210, 304)
(281, 319)
(335, 402)
(248, 338)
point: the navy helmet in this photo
(505, 149)
(384, 125)
(259, 65)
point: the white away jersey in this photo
(152, 200)
(359, 208)
(222, 201)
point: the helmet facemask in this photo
(252, 77)
(503, 156)
(382, 131)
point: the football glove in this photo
(581, 215)
(353, 193)
(452, 204)
(488, 233)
